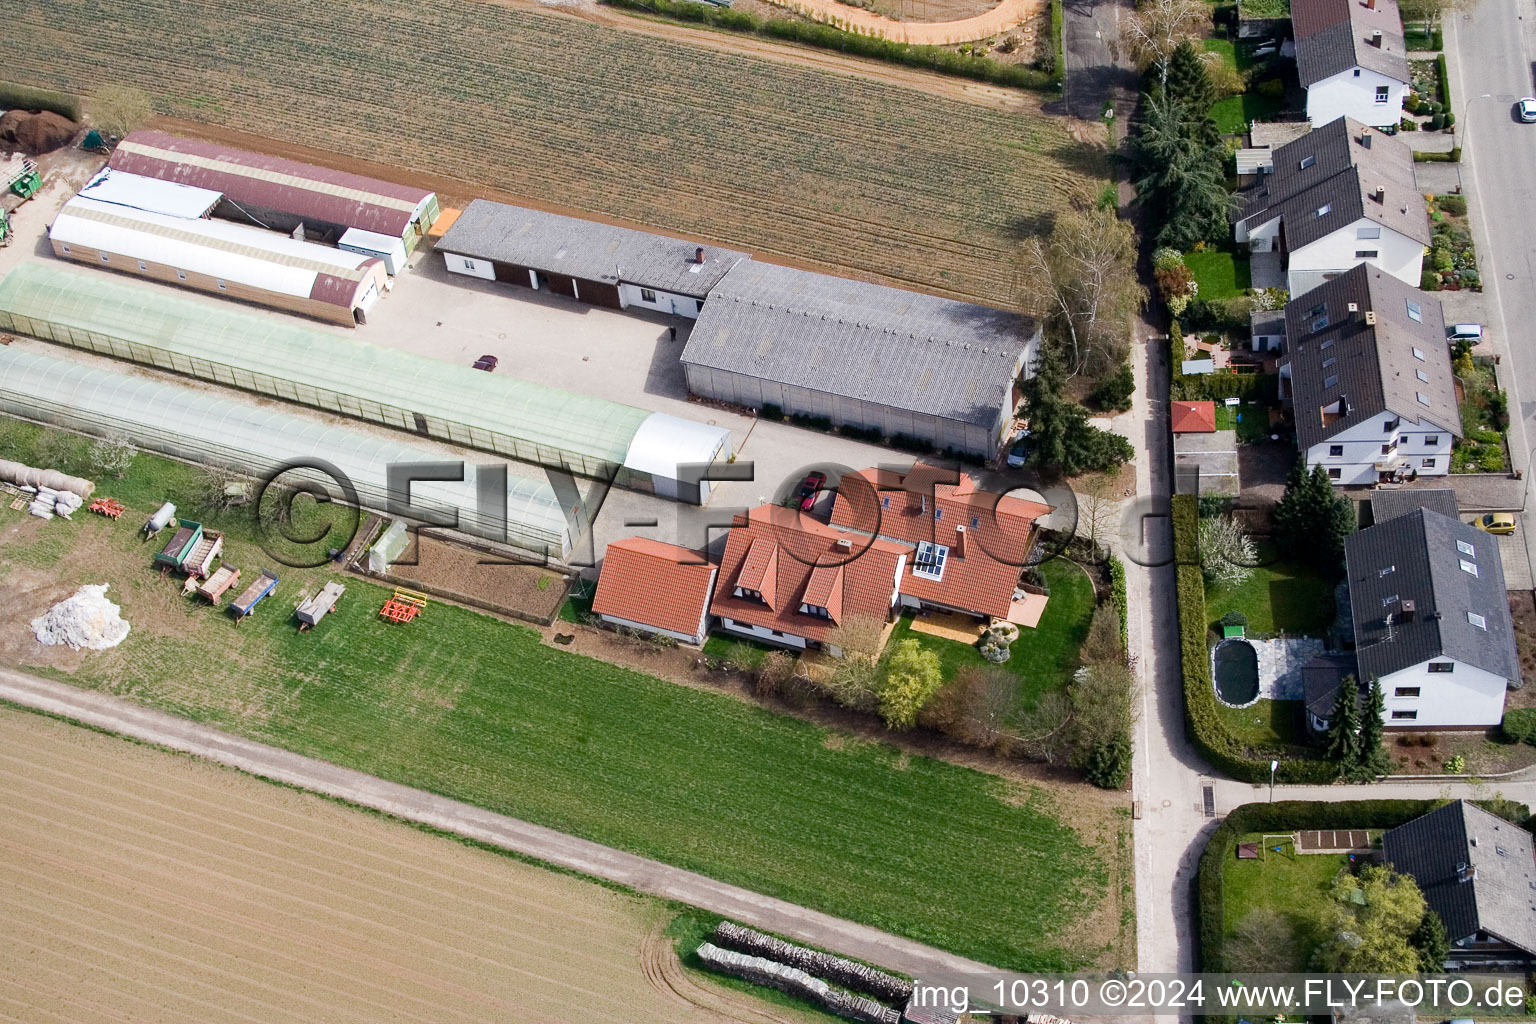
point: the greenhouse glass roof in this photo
(208, 426)
(84, 300)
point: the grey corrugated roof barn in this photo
(860, 354)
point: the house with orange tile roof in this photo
(656, 588)
(966, 547)
(791, 580)
(1193, 417)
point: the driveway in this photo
(123, 717)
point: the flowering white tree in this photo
(1226, 553)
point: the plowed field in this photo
(845, 171)
(141, 885)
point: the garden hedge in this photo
(24, 97)
(935, 58)
(1453, 157)
(1117, 594)
(1058, 42)
(1253, 387)
(1291, 816)
(1209, 734)
(1445, 81)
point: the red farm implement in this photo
(404, 606)
(109, 507)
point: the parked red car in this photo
(486, 363)
(808, 490)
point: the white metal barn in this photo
(230, 430)
(221, 258)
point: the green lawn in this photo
(1233, 114)
(1249, 419)
(1281, 598)
(1043, 658)
(1295, 886)
(1226, 50)
(1267, 724)
(471, 707)
(1220, 275)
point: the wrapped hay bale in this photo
(84, 620)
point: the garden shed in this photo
(224, 429)
(456, 404)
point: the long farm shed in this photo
(211, 428)
(281, 194)
(518, 419)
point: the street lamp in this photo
(1273, 766)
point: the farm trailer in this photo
(214, 586)
(310, 612)
(176, 550)
(252, 595)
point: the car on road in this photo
(1526, 108)
(1465, 332)
(486, 363)
(1496, 522)
(809, 487)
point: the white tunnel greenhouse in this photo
(227, 429)
(456, 404)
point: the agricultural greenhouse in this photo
(224, 429)
(515, 418)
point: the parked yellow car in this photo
(1496, 522)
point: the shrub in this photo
(1408, 124)
(1272, 88)
(1166, 258)
(22, 97)
(1429, 281)
(1114, 390)
(1109, 766)
(1117, 595)
(1454, 205)
(1234, 618)
(770, 411)
(1437, 122)
(1186, 527)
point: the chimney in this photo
(1370, 318)
(1365, 140)
(1381, 194)
(1354, 307)
(844, 544)
(1408, 608)
(1466, 872)
(959, 544)
(1376, 39)
(1370, 5)
(698, 254)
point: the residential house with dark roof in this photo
(862, 355)
(1321, 679)
(967, 548)
(1352, 60)
(1368, 375)
(1340, 196)
(583, 259)
(1478, 872)
(654, 587)
(790, 580)
(1432, 621)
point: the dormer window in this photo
(815, 610)
(748, 594)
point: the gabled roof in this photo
(988, 536)
(661, 585)
(1349, 172)
(1398, 365)
(1337, 35)
(1321, 678)
(1389, 504)
(798, 560)
(303, 190)
(865, 341)
(587, 249)
(1418, 558)
(1475, 869)
(1193, 417)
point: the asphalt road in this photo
(639, 873)
(1490, 50)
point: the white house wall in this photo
(1260, 237)
(469, 266)
(1352, 93)
(643, 628)
(1332, 255)
(1465, 696)
(660, 301)
(1362, 443)
(761, 633)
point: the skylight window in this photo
(1324, 210)
(1466, 549)
(1307, 161)
(930, 560)
(1477, 620)
(1321, 307)
(1330, 381)
(1329, 361)
(1327, 343)
(1469, 567)
(1383, 572)
(1418, 353)
(975, 522)
(1319, 323)
(1415, 313)
(1422, 397)
(885, 502)
(938, 514)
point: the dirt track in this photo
(138, 884)
(943, 33)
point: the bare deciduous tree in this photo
(1156, 28)
(1081, 280)
(112, 455)
(119, 109)
(1098, 509)
(854, 679)
(1263, 941)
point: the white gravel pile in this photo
(85, 619)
